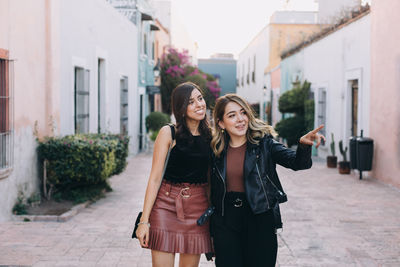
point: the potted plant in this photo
(332, 160)
(344, 166)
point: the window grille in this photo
(6, 114)
(82, 100)
(124, 105)
(322, 109)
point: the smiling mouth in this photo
(200, 111)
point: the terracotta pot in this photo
(331, 161)
(344, 167)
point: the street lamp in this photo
(156, 70)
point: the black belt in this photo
(236, 199)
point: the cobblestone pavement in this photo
(330, 220)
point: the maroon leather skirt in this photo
(173, 219)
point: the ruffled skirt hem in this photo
(176, 242)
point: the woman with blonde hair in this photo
(245, 188)
(173, 203)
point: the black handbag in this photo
(165, 166)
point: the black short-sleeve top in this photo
(189, 161)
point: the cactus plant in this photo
(333, 146)
(343, 152)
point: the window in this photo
(153, 51)
(242, 74)
(6, 131)
(124, 105)
(238, 77)
(248, 73)
(81, 100)
(145, 43)
(322, 109)
(253, 75)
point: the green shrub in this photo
(156, 120)
(292, 101)
(84, 193)
(291, 129)
(297, 102)
(20, 207)
(153, 135)
(75, 161)
(309, 114)
(121, 150)
(78, 165)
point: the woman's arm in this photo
(161, 147)
(301, 158)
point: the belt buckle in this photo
(238, 203)
(184, 192)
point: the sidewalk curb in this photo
(54, 218)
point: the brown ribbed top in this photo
(234, 170)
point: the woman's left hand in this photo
(310, 137)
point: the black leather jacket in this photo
(263, 188)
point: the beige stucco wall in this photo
(385, 90)
(283, 36)
(26, 32)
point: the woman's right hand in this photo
(142, 233)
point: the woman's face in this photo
(196, 109)
(235, 120)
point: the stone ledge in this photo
(54, 218)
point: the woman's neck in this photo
(237, 141)
(193, 126)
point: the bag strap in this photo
(169, 149)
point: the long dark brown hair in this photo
(179, 102)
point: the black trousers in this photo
(242, 239)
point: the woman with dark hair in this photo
(245, 188)
(173, 203)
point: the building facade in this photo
(385, 93)
(166, 12)
(338, 67)
(141, 13)
(261, 56)
(65, 67)
(29, 93)
(283, 36)
(223, 68)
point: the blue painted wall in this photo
(224, 69)
(291, 67)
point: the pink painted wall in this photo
(276, 78)
(385, 90)
(29, 31)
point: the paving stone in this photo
(329, 220)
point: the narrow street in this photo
(329, 220)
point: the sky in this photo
(227, 26)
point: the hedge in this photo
(82, 160)
(155, 120)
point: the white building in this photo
(255, 57)
(338, 67)
(99, 58)
(167, 13)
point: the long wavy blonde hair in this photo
(257, 128)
